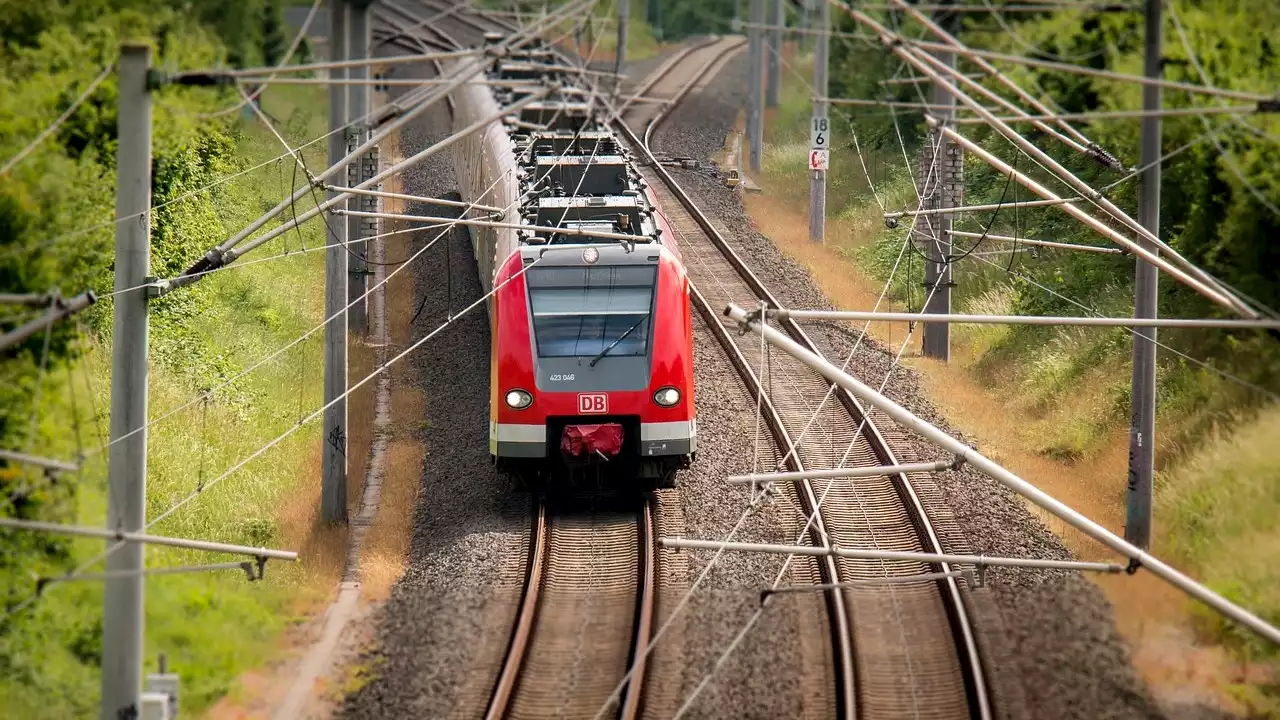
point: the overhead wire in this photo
(57, 123)
(753, 506)
(1188, 272)
(203, 396)
(92, 561)
(1204, 78)
(311, 183)
(998, 16)
(218, 255)
(250, 99)
(1209, 134)
(283, 349)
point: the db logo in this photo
(593, 403)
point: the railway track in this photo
(589, 586)
(587, 608)
(904, 649)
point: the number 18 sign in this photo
(819, 144)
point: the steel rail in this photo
(953, 600)
(675, 100)
(837, 608)
(516, 661)
(513, 665)
(663, 70)
(633, 695)
(504, 690)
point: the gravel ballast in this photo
(441, 632)
(466, 561)
(1050, 633)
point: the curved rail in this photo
(633, 696)
(537, 605)
(505, 688)
(954, 603)
(842, 635)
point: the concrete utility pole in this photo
(620, 56)
(358, 34)
(122, 602)
(774, 53)
(654, 16)
(1142, 428)
(818, 178)
(333, 492)
(943, 190)
(755, 78)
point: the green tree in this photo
(274, 42)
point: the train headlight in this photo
(590, 255)
(519, 399)
(667, 397)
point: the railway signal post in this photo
(122, 601)
(620, 55)
(1142, 428)
(774, 53)
(358, 30)
(806, 25)
(818, 176)
(333, 489)
(941, 179)
(755, 79)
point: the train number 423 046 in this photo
(567, 377)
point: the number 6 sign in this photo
(818, 134)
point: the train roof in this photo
(575, 174)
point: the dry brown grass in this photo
(322, 550)
(386, 544)
(361, 405)
(780, 213)
(322, 547)
(1154, 618)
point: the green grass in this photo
(641, 41)
(212, 626)
(1219, 510)
(1218, 480)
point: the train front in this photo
(592, 367)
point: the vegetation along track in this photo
(589, 588)
(902, 649)
(899, 649)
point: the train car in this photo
(591, 367)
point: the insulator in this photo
(1104, 158)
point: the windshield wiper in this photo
(621, 337)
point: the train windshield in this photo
(580, 311)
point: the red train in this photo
(591, 368)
